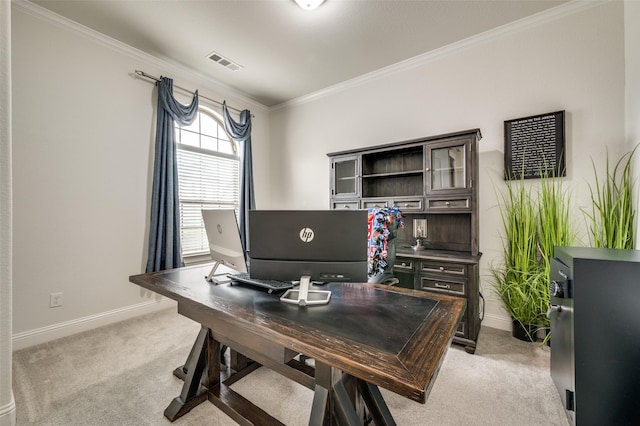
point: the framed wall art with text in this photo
(534, 146)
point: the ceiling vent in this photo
(225, 62)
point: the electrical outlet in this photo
(55, 300)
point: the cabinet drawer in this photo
(406, 205)
(443, 268)
(449, 204)
(345, 205)
(403, 264)
(449, 286)
(375, 204)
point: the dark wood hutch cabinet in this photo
(433, 181)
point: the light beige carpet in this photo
(122, 375)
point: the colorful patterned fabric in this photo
(382, 231)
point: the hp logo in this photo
(306, 235)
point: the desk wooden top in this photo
(389, 336)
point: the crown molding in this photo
(566, 9)
(558, 12)
(120, 47)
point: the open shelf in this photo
(393, 161)
(399, 185)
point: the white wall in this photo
(83, 132)
(632, 58)
(572, 61)
(7, 402)
(632, 72)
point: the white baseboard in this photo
(68, 328)
(8, 413)
(497, 321)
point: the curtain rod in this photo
(150, 77)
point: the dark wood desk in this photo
(369, 335)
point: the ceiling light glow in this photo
(309, 4)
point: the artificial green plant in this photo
(534, 222)
(612, 218)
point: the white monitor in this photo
(224, 242)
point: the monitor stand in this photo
(302, 296)
(212, 277)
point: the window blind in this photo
(206, 180)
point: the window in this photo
(208, 176)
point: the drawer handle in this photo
(445, 286)
(442, 269)
(447, 204)
(346, 206)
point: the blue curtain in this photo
(164, 232)
(241, 132)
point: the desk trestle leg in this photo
(375, 403)
(343, 406)
(339, 399)
(201, 372)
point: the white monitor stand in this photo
(212, 277)
(302, 296)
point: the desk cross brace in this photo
(336, 395)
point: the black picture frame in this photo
(534, 146)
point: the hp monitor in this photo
(224, 242)
(308, 245)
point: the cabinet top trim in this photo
(475, 132)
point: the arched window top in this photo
(206, 132)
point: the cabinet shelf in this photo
(404, 160)
(448, 169)
(393, 174)
(393, 185)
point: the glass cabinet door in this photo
(448, 167)
(345, 177)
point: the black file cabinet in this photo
(595, 334)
